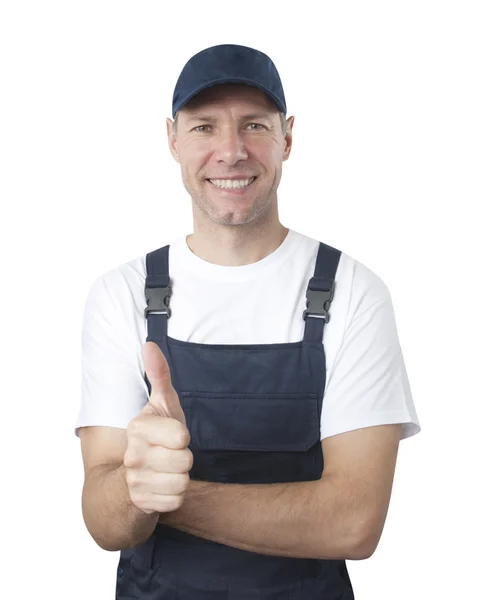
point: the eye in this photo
(256, 126)
(201, 128)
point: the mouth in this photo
(232, 185)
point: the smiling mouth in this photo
(232, 184)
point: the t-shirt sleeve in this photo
(113, 389)
(368, 384)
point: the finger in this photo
(165, 460)
(151, 503)
(163, 398)
(148, 482)
(159, 431)
(157, 370)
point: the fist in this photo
(157, 460)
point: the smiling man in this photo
(244, 391)
(231, 142)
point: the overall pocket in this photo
(253, 437)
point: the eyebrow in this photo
(263, 115)
(212, 119)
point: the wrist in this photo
(194, 494)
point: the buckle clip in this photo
(158, 300)
(318, 303)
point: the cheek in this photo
(192, 166)
(268, 154)
(195, 160)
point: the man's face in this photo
(230, 146)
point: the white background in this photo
(390, 163)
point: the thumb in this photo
(164, 400)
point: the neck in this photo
(236, 245)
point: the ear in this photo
(288, 138)
(172, 140)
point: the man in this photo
(243, 388)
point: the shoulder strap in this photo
(320, 292)
(158, 290)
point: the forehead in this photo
(229, 96)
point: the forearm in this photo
(111, 518)
(302, 519)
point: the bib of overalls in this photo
(253, 414)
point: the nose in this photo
(230, 147)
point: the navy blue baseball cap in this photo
(228, 63)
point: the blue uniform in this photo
(253, 414)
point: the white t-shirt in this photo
(259, 303)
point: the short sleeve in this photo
(368, 384)
(113, 390)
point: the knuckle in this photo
(170, 484)
(188, 459)
(171, 503)
(132, 478)
(131, 459)
(134, 427)
(179, 500)
(182, 436)
(181, 483)
(141, 501)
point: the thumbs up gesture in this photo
(157, 459)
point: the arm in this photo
(111, 518)
(340, 516)
(112, 393)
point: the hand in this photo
(157, 459)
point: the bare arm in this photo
(279, 519)
(134, 474)
(110, 516)
(340, 516)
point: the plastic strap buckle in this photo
(158, 300)
(318, 303)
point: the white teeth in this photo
(232, 183)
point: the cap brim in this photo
(223, 80)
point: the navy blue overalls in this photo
(253, 414)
